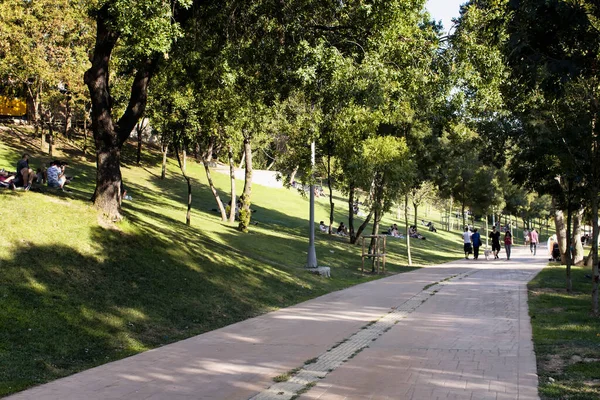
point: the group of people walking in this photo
(472, 242)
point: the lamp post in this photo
(311, 261)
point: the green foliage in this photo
(386, 162)
(45, 46)
(145, 27)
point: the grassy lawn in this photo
(76, 293)
(565, 334)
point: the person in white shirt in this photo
(323, 227)
(467, 242)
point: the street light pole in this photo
(311, 261)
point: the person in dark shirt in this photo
(25, 174)
(476, 240)
(495, 236)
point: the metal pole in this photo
(311, 261)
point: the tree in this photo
(147, 32)
(387, 162)
(421, 194)
(44, 50)
(458, 163)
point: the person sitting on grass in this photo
(342, 230)
(323, 227)
(56, 175)
(396, 233)
(40, 176)
(412, 231)
(24, 175)
(6, 179)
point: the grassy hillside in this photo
(76, 293)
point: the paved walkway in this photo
(465, 336)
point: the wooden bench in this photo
(378, 253)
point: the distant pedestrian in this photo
(525, 237)
(533, 241)
(476, 240)
(508, 242)
(495, 236)
(467, 242)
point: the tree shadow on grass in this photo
(65, 310)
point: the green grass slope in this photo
(76, 293)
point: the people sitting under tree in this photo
(342, 230)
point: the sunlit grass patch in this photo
(566, 335)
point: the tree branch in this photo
(138, 99)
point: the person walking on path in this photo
(495, 236)
(508, 242)
(533, 241)
(467, 242)
(476, 239)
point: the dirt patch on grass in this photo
(554, 363)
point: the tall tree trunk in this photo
(331, 203)
(362, 227)
(351, 193)
(366, 222)
(406, 226)
(50, 140)
(450, 225)
(594, 187)
(42, 136)
(375, 231)
(108, 135)
(462, 210)
(68, 116)
(245, 212)
(576, 237)
(208, 155)
(595, 272)
(140, 130)
(213, 189)
(163, 170)
(108, 181)
(462, 203)
(589, 259)
(33, 104)
(188, 214)
(416, 206)
(184, 155)
(561, 231)
(569, 283)
(232, 177)
(85, 128)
